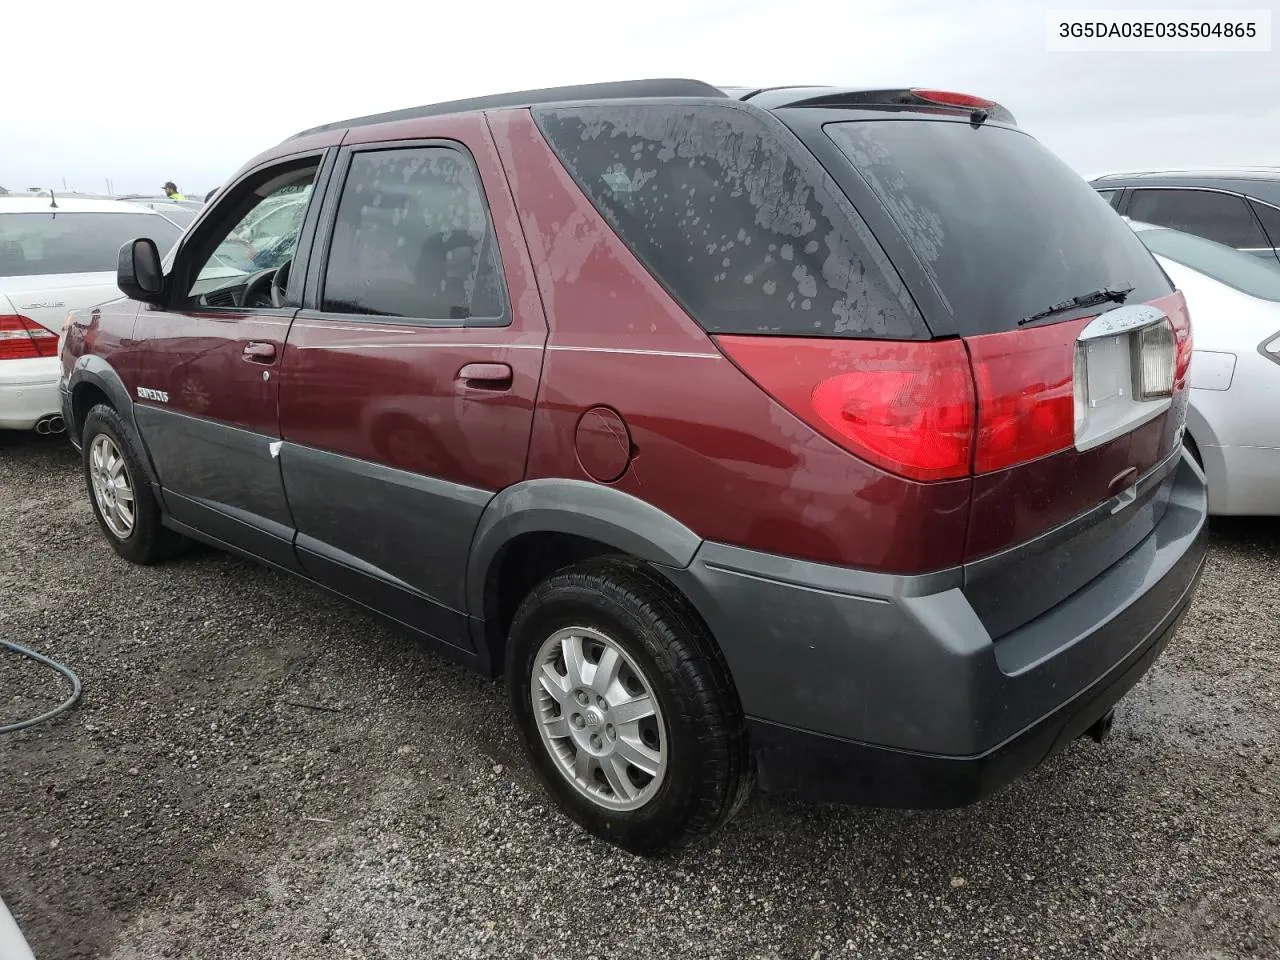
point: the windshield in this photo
(1002, 227)
(1243, 271)
(32, 244)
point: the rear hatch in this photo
(1078, 343)
(911, 297)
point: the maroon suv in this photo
(825, 439)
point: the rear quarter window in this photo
(1002, 227)
(740, 228)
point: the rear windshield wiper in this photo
(1091, 299)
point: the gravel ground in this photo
(257, 771)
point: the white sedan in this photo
(1234, 419)
(56, 255)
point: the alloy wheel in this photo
(598, 718)
(112, 486)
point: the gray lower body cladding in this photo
(889, 690)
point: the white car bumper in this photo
(13, 946)
(28, 392)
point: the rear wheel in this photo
(1193, 448)
(122, 500)
(626, 707)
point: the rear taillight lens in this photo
(944, 409)
(21, 338)
(1027, 394)
(907, 407)
(1156, 362)
(1181, 324)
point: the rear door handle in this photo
(486, 376)
(259, 352)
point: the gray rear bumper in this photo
(905, 663)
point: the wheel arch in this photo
(533, 528)
(1205, 445)
(93, 381)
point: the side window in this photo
(247, 238)
(1270, 218)
(413, 239)
(743, 233)
(1214, 216)
(1111, 196)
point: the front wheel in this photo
(122, 500)
(626, 707)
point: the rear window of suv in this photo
(1002, 227)
(34, 244)
(741, 230)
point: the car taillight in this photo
(950, 99)
(1181, 324)
(1027, 394)
(905, 406)
(21, 338)
(1156, 362)
(944, 409)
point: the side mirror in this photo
(138, 272)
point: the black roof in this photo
(769, 98)
(617, 90)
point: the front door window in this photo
(257, 243)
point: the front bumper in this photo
(28, 392)
(889, 691)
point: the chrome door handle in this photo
(259, 352)
(485, 376)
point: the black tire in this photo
(149, 541)
(709, 771)
(1193, 448)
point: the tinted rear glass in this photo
(1243, 271)
(745, 233)
(70, 242)
(1002, 227)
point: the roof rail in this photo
(618, 90)
(1241, 172)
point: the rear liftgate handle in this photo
(485, 376)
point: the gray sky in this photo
(143, 91)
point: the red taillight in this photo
(949, 99)
(943, 409)
(1026, 403)
(23, 339)
(906, 406)
(1182, 338)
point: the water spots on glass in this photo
(694, 190)
(419, 245)
(921, 225)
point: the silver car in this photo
(1233, 425)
